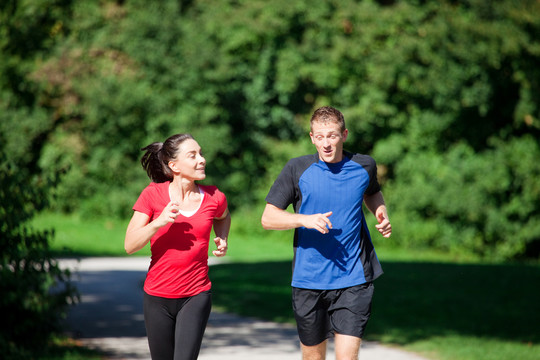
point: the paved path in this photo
(109, 318)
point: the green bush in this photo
(444, 94)
(463, 201)
(35, 291)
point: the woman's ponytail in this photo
(157, 156)
(152, 163)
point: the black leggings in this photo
(175, 327)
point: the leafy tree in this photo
(35, 291)
(444, 94)
(470, 118)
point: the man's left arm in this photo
(375, 204)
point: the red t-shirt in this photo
(179, 264)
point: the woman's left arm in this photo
(222, 225)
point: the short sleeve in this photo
(143, 203)
(281, 193)
(221, 203)
(373, 186)
(218, 199)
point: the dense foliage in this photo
(35, 291)
(444, 94)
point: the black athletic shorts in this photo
(321, 313)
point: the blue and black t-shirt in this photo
(344, 256)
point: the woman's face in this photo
(189, 162)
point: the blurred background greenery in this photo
(445, 95)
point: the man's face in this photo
(328, 139)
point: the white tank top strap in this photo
(192, 212)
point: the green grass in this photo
(76, 236)
(460, 311)
(444, 307)
(443, 310)
(68, 349)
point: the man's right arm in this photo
(274, 218)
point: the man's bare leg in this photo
(347, 347)
(315, 352)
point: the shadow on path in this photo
(109, 318)
(110, 305)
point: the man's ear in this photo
(345, 134)
(311, 136)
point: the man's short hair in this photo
(328, 114)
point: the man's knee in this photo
(315, 352)
(347, 347)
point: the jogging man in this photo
(334, 260)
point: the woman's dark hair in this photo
(157, 156)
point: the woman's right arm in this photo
(140, 230)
